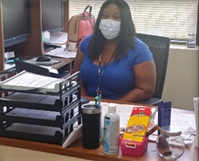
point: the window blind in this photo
(170, 18)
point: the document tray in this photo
(37, 133)
(28, 82)
(42, 102)
(39, 116)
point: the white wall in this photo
(181, 83)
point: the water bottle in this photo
(191, 40)
(46, 35)
(111, 130)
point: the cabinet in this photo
(33, 46)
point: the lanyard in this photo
(101, 71)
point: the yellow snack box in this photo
(138, 124)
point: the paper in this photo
(51, 70)
(188, 136)
(57, 38)
(182, 120)
(51, 62)
(62, 52)
(124, 111)
(153, 137)
(29, 81)
(124, 114)
(8, 66)
(77, 132)
(9, 55)
(196, 110)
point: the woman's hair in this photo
(126, 35)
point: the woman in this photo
(112, 61)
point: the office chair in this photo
(159, 47)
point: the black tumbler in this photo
(91, 116)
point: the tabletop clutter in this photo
(133, 139)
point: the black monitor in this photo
(52, 15)
(16, 21)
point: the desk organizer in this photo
(133, 148)
(45, 117)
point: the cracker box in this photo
(138, 124)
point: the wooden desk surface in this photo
(76, 150)
(63, 62)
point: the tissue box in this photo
(133, 148)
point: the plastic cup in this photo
(91, 118)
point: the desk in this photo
(76, 150)
(65, 64)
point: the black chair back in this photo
(159, 46)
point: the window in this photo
(170, 18)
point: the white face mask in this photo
(110, 28)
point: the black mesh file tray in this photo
(42, 117)
(40, 102)
(45, 117)
(22, 82)
(38, 133)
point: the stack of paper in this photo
(57, 38)
(62, 52)
(34, 61)
(30, 81)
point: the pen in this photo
(152, 130)
(99, 100)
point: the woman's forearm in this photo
(136, 95)
(83, 90)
